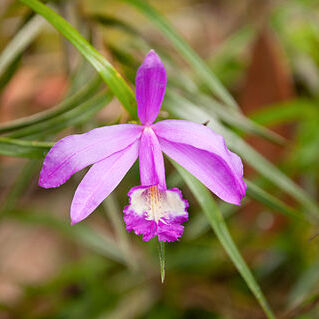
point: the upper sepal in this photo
(150, 87)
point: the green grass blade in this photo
(108, 73)
(77, 115)
(20, 42)
(9, 72)
(218, 224)
(109, 21)
(285, 112)
(186, 51)
(258, 194)
(21, 148)
(21, 184)
(113, 211)
(66, 105)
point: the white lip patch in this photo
(157, 204)
(156, 212)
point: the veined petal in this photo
(100, 181)
(152, 170)
(75, 152)
(204, 154)
(153, 212)
(150, 87)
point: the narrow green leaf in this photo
(185, 50)
(9, 72)
(20, 42)
(108, 73)
(114, 213)
(304, 287)
(77, 115)
(22, 148)
(66, 105)
(285, 112)
(114, 22)
(218, 224)
(21, 184)
(258, 194)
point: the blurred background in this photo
(265, 53)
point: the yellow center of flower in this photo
(154, 201)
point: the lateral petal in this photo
(150, 87)
(100, 181)
(75, 152)
(204, 154)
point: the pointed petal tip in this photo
(73, 222)
(42, 182)
(46, 183)
(237, 201)
(152, 59)
(152, 53)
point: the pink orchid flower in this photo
(153, 209)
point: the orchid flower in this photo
(153, 209)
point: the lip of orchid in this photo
(153, 209)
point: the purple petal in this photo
(75, 152)
(152, 170)
(204, 154)
(153, 212)
(100, 181)
(150, 88)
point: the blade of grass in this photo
(113, 211)
(21, 184)
(20, 42)
(21, 148)
(186, 51)
(77, 115)
(218, 224)
(304, 287)
(9, 72)
(258, 194)
(66, 105)
(285, 112)
(107, 72)
(109, 21)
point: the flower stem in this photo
(162, 259)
